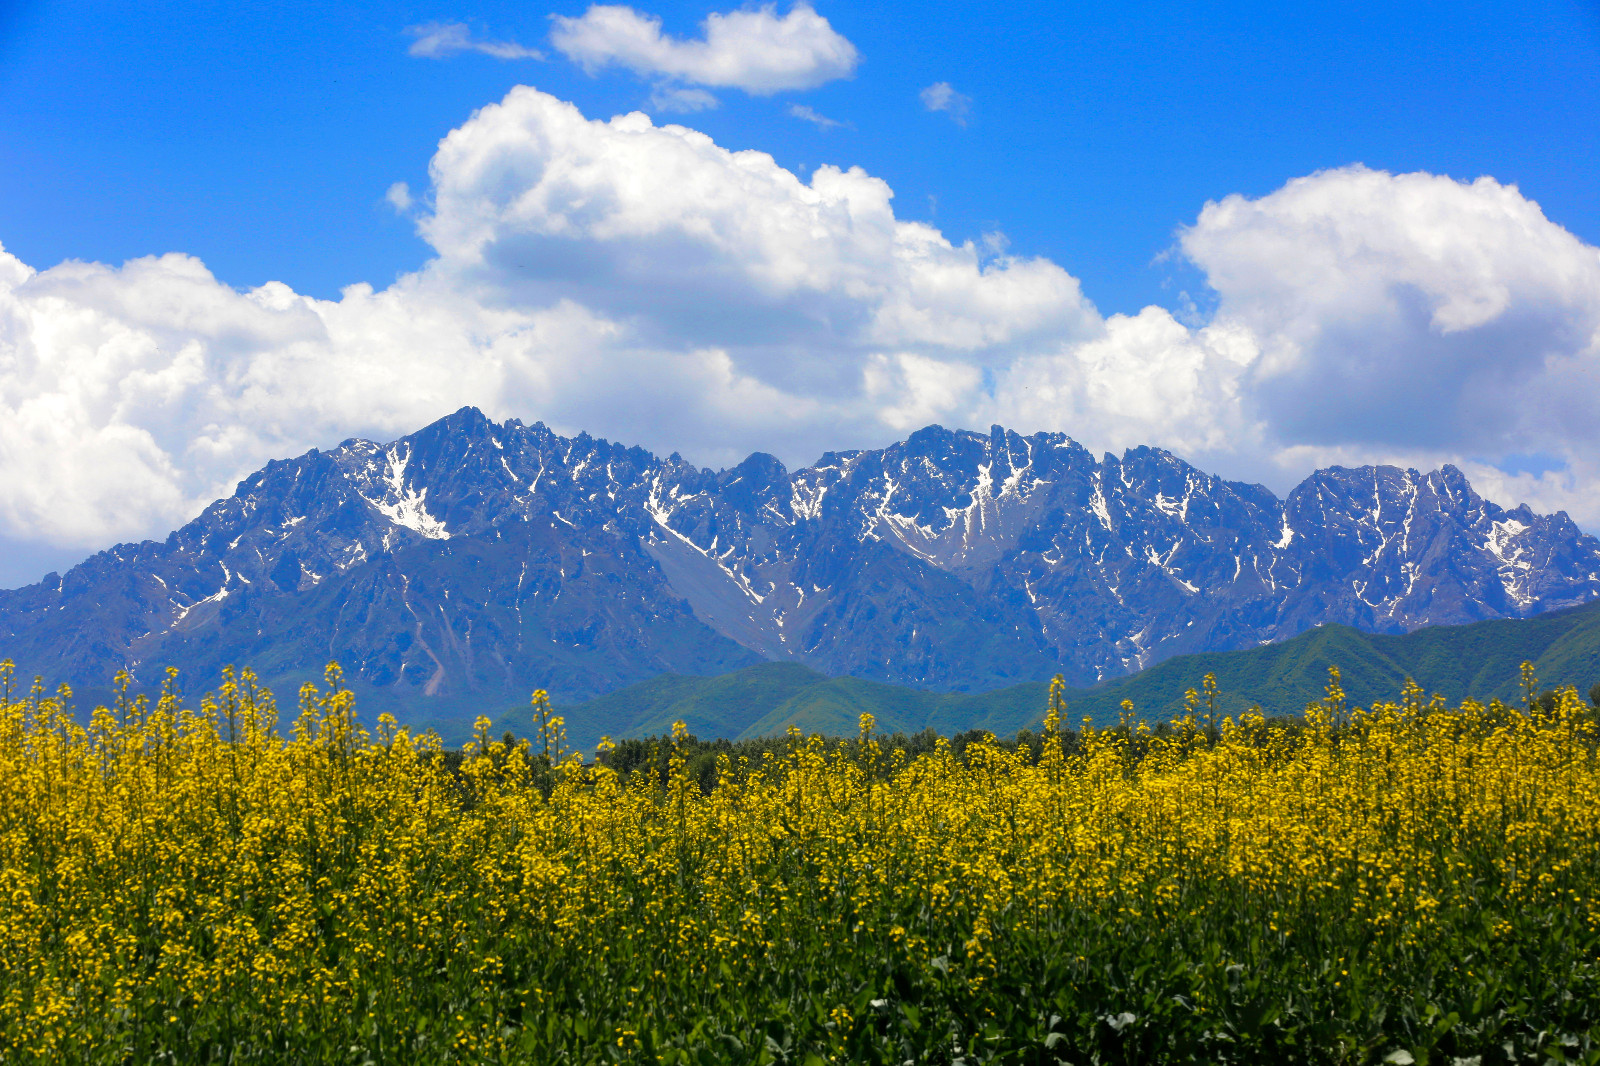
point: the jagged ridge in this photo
(476, 560)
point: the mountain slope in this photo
(470, 562)
(766, 699)
(1482, 660)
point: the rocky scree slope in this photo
(476, 560)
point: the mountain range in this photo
(472, 561)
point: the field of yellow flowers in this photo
(1407, 883)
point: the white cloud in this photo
(685, 239)
(1408, 311)
(941, 97)
(1144, 379)
(399, 197)
(440, 40)
(809, 114)
(646, 284)
(911, 390)
(752, 50)
(675, 99)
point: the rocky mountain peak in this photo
(476, 557)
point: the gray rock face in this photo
(478, 559)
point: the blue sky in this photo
(1048, 258)
(261, 138)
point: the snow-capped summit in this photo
(476, 558)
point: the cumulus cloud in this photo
(440, 40)
(1143, 379)
(753, 50)
(646, 284)
(1408, 311)
(941, 97)
(663, 228)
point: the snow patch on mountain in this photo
(405, 505)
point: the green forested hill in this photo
(1481, 660)
(769, 697)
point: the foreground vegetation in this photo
(1406, 883)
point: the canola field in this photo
(1408, 883)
